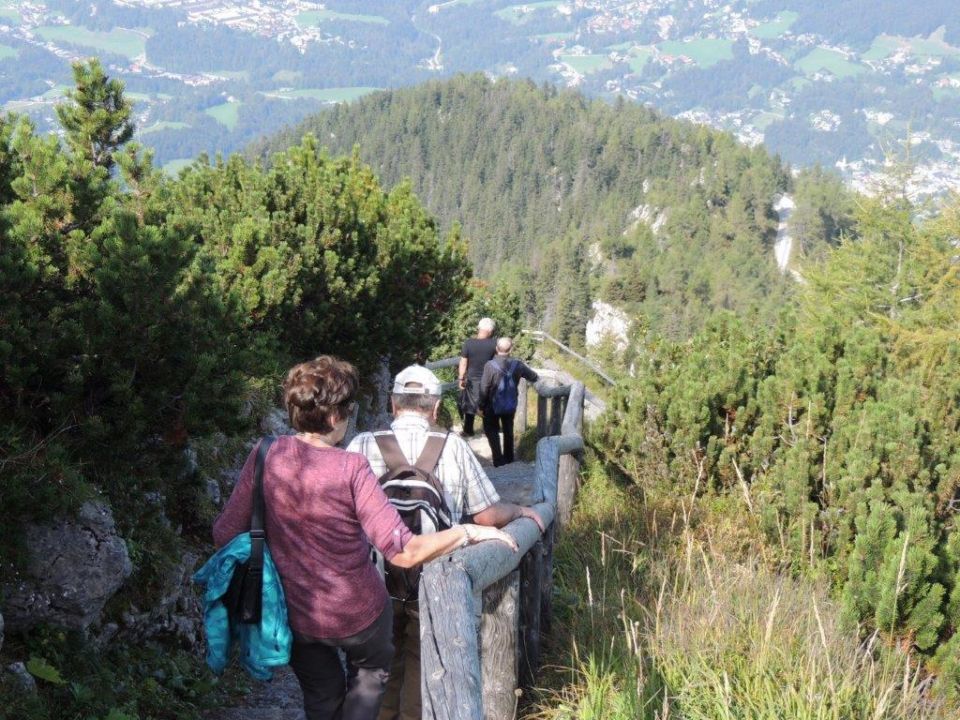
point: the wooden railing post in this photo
(500, 647)
(520, 419)
(546, 582)
(541, 417)
(568, 475)
(450, 685)
(531, 592)
(556, 414)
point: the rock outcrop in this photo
(73, 568)
(175, 612)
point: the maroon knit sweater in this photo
(324, 509)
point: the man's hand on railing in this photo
(531, 514)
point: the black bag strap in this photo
(258, 533)
(430, 455)
(393, 456)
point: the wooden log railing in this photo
(484, 608)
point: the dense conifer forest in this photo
(669, 219)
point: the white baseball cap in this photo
(416, 374)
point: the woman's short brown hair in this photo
(316, 389)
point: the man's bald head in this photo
(504, 345)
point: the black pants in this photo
(328, 693)
(492, 426)
(469, 401)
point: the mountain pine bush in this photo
(138, 311)
(838, 429)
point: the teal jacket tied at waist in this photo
(262, 646)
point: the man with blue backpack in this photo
(498, 399)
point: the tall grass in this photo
(666, 612)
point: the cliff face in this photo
(608, 324)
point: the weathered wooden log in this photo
(443, 363)
(546, 582)
(531, 579)
(549, 450)
(500, 647)
(568, 480)
(487, 562)
(541, 416)
(556, 414)
(568, 473)
(450, 682)
(520, 419)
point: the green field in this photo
(765, 120)
(286, 77)
(519, 14)
(118, 41)
(226, 114)
(705, 52)
(175, 166)
(8, 52)
(829, 60)
(453, 3)
(554, 37)
(775, 28)
(586, 64)
(883, 47)
(934, 46)
(56, 91)
(165, 125)
(241, 75)
(641, 56)
(945, 93)
(330, 95)
(313, 18)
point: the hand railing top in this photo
(543, 389)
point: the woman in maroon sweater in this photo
(324, 508)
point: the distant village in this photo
(299, 23)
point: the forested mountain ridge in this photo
(675, 220)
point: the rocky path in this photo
(279, 699)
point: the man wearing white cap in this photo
(469, 492)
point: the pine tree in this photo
(96, 115)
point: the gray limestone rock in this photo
(176, 612)
(74, 567)
(22, 677)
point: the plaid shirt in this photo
(467, 486)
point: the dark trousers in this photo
(331, 694)
(469, 402)
(402, 700)
(492, 426)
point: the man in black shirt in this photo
(475, 354)
(496, 419)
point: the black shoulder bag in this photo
(244, 596)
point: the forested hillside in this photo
(669, 219)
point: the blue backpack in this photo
(504, 400)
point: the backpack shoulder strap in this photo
(393, 456)
(430, 455)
